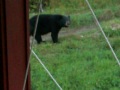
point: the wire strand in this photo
(46, 70)
(101, 29)
(31, 46)
(28, 64)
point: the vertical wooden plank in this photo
(14, 44)
(3, 64)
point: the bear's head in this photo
(64, 21)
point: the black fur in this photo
(48, 23)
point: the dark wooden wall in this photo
(14, 44)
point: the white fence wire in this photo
(101, 29)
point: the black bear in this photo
(48, 23)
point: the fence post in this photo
(14, 44)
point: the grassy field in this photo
(79, 62)
(82, 60)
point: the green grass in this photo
(82, 61)
(78, 63)
(73, 5)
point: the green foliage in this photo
(34, 4)
(73, 4)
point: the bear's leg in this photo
(38, 38)
(54, 37)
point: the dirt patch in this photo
(115, 26)
(106, 15)
(76, 31)
(67, 32)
